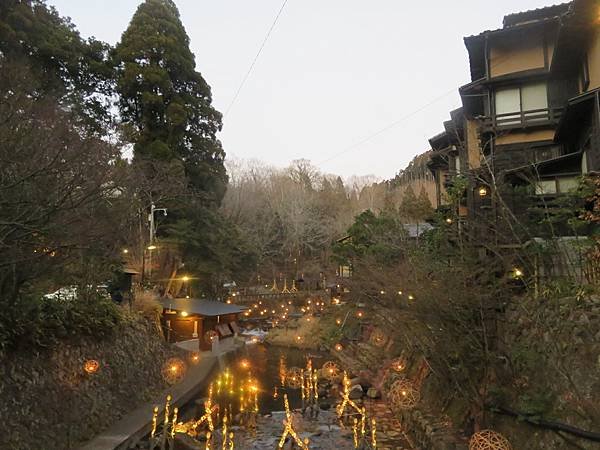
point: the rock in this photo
(373, 393)
(325, 406)
(356, 392)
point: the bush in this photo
(43, 323)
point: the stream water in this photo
(264, 363)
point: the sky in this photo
(333, 74)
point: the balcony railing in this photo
(523, 119)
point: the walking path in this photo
(137, 424)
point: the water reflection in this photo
(270, 366)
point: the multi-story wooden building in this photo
(531, 114)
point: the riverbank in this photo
(303, 333)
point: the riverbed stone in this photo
(373, 393)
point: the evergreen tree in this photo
(409, 207)
(74, 71)
(165, 103)
(424, 205)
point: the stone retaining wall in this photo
(48, 401)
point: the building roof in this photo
(519, 22)
(519, 18)
(209, 308)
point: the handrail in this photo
(523, 118)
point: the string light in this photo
(288, 428)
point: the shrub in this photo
(36, 322)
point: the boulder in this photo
(373, 393)
(356, 392)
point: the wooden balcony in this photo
(523, 119)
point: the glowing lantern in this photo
(91, 366)
(483, 191)
(173, 370)
(399, 364)
(403, 394)
(338, 347)
(330, 370)
(489, 440)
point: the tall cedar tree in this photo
(165, 103)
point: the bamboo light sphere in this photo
(378, 337)
(173, 370)
(399, 364)
(330, 370)
(91, 366)
(489, 440)
(294, 377)
(403, 394)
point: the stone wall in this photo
(48, 401)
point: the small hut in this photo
(192, 318)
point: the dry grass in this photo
(299, 333)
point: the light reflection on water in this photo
(265, 362)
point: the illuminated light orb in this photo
(173, 370)
(338, 321)
(330, 370)
(210, 336)
(294, 377)
(399, 364)
(378, 337)
(359, 314)
(91, 366)
(339, 347)
(489, 440)
(195, 358)
(403, 394)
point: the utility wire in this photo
(241, 86)
(388, 127)
(497, 64)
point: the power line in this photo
(388, 127)
(237, 93)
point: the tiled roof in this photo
(526, 17)
(535, 14)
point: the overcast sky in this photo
(333, 73)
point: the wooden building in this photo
(530, 116)
(191, 318)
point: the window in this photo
(567, 184)
(557, 185)
(545, 187)
(531, 97)
(534, 96)
(508, 100)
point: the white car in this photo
(64, 293)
